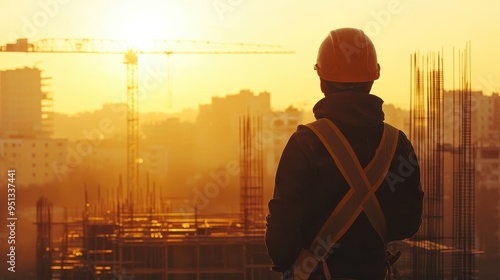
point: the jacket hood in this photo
(353, 108)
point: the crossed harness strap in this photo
(363, 184)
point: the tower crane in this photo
(123, 47)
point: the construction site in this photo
(136, 232)
(143, 237)
(440, 130)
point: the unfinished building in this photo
(119, 237)
(444, 246)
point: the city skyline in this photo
(189, 163)
(395, 27)
(124, 158)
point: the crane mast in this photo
(133, 159)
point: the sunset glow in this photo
(121, 158)
(396, 29)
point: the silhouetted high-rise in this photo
(25, 109)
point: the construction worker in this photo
(348, 183)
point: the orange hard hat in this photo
(347, 55)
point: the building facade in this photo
(488, 211)
(35, 160)
(25, 109)
(485, 117)
(26, 126)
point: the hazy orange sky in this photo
(397, 28)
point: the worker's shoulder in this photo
(402, 138)
(304, 139)
(401, 133)
(306, 136)
(304, 131)
(404, 144)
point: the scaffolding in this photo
(427, 133)
(44, 238)
(130, 233)
(47, 108)
(109, 243)
(435, 255)
(251, 173)
(463, 260)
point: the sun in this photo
(140, 30)
(140, 24)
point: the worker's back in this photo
(360, 252)
(310, 186)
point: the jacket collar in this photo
(353, 108)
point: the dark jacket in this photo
(309, 185)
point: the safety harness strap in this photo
(361, 196)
